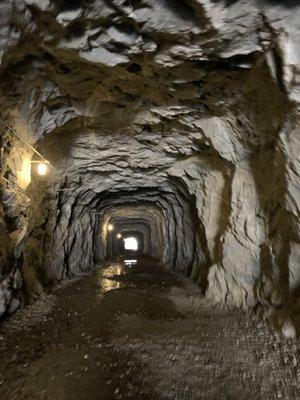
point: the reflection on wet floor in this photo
(130, 263)
(114, 275)
(75, 352)
(108, 277)
(106, 283)
(141, 333)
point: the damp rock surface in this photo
(175, 120)
(141, 332)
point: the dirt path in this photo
(139, 332)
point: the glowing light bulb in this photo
(110, 227)
(119, 235)
(42, 168)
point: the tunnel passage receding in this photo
(162, 219)
(187, 118)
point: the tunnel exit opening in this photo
(131, 243)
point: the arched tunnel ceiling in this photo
(163, 215)
(126, 89)
(122, 66)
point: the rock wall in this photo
(179, 116)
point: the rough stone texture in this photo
(186, 107)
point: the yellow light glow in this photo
(42, 168)
(24, 175)
(110, 227)
(119, 235)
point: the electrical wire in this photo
(21, 137)
(25, 141)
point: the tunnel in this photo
(149, 199)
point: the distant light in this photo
(42, 168)
(131, 243)
(119, 235)
(110, 227)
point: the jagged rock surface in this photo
(185, 111)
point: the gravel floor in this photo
(140, 332)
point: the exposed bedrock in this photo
(174, 121)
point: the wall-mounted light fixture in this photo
(119, 235)
(110, 227)
(42, 167)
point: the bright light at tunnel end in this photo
(131, 243)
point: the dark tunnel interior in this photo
(149, 199)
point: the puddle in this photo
(107, 278)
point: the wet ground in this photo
(136, 331)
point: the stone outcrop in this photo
(177, 118)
